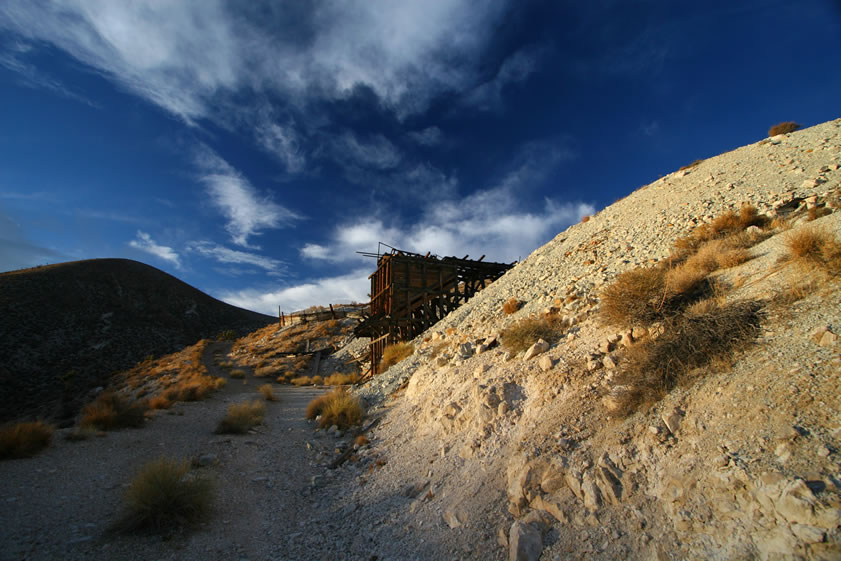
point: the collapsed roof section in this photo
(411, 292)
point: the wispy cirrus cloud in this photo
(247, 211)
(224, 254)
(145, 243)
(516, 68)
(187, 57)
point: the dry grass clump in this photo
(524, 333)
(394, 353)
(708, 332)
(194, 388)
(112, 411)
(264, 371)
(339, 379)
(22, 440)
(316, 380)
(728, 224)
(815, 249)
(238, 373)
(361, 441)
(163, 497)
(337, 407)
(511, 306)
(690, 166)
(301, 381)
(241, 417)
(159, 402)
(783, 128)
(718, 254)
(268, 392)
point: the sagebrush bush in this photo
(241, 417)
(783, 128)
(164, 497)
(337, 407)
(511, 306)
(22, 440)
(815, 249)
(112, 411)
(707, 332)
(267, 392)
(394, 353)
(526, 332)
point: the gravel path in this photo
(58, 504)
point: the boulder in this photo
(538, 348)
(524, 542)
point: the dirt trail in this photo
(58, 504)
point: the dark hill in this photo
(66, 328)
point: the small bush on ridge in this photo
(814, 248)
(783, 128)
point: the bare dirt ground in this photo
(59, 504)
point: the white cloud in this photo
(430, 136)
(227, 255)
(496, 222)
(342, 289)
(144, 242)
(247, 211)
(516, 68)
(187, 56)
(377, 152)
(283, 143)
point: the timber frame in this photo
(411, 292)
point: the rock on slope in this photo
(484, 456)
(66, 328)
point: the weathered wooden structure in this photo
(411, 292)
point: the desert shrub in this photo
(238, 373)
(511, 306)
(194, 388)
(690, 166)
(707, 332)
(264, 371)
(301, 381)
(524, 333)
(227, 335)
(226, 365)
(163, 497)
(112, 411)
(585, 218)
(361, 440)
(316, 406)
(159, 402)
(635, 297)
(316, 380)
(726, 225)
(717, 254)
(268, 392)
(339, 379)
(22, 440)
(783, 128)
(241, 417)
(337, 407)
(813, 248)
(394, 353)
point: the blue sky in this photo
(251, 148)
